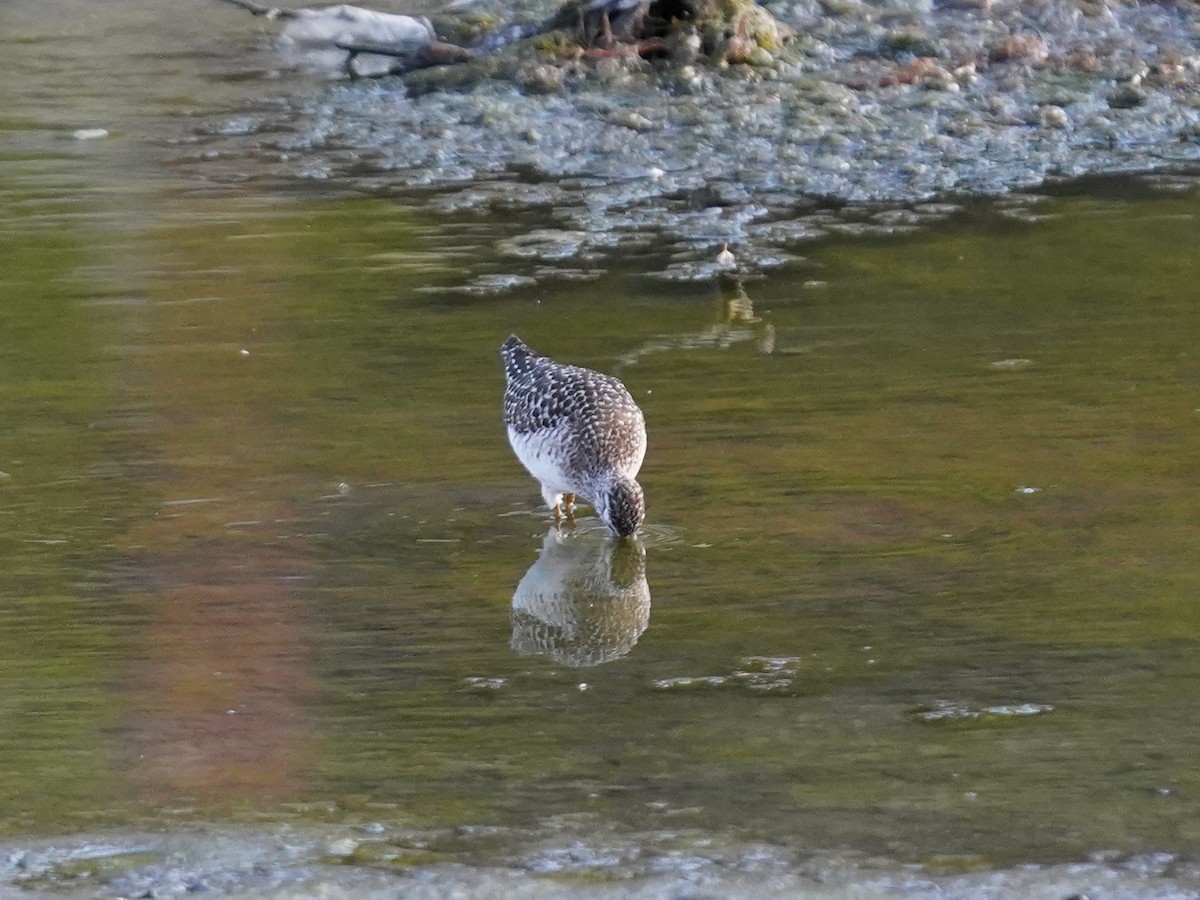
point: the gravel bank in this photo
(373, 862)
(888, 105)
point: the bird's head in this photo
(621, 503)
(516, 355)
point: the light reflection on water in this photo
(265, 542)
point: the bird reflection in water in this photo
(585, 601)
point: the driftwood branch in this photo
(439, 51)
(356, 47)
(408, 40)
(267, 12)
(435, 53)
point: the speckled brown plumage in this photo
(577, 431)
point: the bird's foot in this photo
(564, 511)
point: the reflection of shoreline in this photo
(585, 601)
(738, 325)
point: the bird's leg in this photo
(564, 513)
(554, 502)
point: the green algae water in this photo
(920, 557)
(918, 580)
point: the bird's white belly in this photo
(540, 452)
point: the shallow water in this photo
(917, 583)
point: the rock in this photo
(543, 79)
(340, 39)
(1051, 116)
(904, 43)
(341, 849)
(1127, 96)
(1018, 48)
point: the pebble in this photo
(341, 848)
(1052, 116)
(1127, 97)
